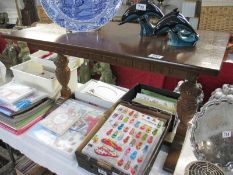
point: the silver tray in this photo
(212, 133)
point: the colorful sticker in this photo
(131, 121)
(106, 152)
(140, 159)
(127, 165)
(120, 162)
(120, 136)
(155, 132)
(138, 135)
(115, 124)
(132, 131)
(131, 113)
(95, 139)
(126, 129)
(120, 127)
(127, 151)
(139, 145)
(143, 127)
(111, 143)
(145, 149)
(109, 132)
(137, 124)
(126, 119)
(148, 129)
(121, 117)
(150, 140)
(144, 137)
(114, 135)
(133, 155)
(126, 139)
(132, 143)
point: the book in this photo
(13, 92)
(21, 130)
(23, 104)
(24, 118)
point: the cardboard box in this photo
(131, 94)
(102, 167)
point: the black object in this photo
(180, 31)
(143, 16)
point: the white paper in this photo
(141, 7)
(105, 91)
(226, 134)
(155, 56)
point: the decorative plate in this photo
(212, 133)
(81, 15)
(202, 168)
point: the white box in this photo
(74, 62)
(189, 8)
(94, 99)
(36, 75)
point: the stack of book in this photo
(21, 106)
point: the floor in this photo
(6, 165)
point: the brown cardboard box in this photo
(99, 167)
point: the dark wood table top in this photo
(122, 45)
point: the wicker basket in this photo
(216, 18)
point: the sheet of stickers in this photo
(126, 140)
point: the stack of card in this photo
(21, 106)
(155, 100)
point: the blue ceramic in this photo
(143, 17)
(81, 15)
(180, 31)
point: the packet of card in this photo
(126, 140)
(87, 116)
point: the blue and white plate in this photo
(81, 15)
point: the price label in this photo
(141, 7)
(114, 173)
(102, 172)
(155, 56)
(226, 134)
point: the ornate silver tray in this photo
(212, 133)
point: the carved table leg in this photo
(63, 74)
(187, 106)
(188, 102)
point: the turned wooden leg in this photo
(187, 106)
(63, 74)
(188, 102)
